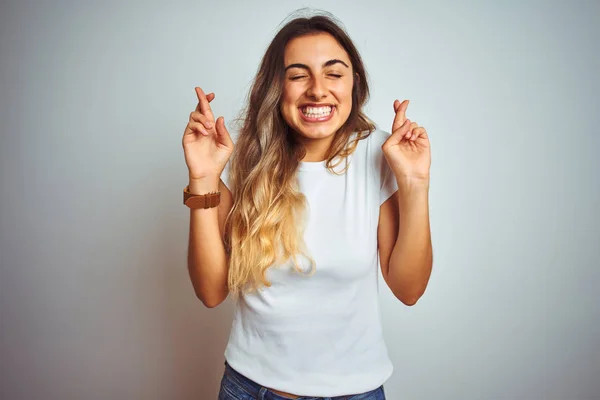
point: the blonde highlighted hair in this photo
(266, 223)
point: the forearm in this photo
(207, 259)
(411, 259)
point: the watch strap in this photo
(208, 200)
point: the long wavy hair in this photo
(266, 223)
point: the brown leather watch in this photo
(208, 200)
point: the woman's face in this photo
(317, 89)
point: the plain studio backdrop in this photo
(95, 297)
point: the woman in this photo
(313, 198)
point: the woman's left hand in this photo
(407, 150)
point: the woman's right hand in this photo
(207, 145)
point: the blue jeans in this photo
(235, 386)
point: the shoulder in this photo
(377, 163)
(372, 143)
(378, 137)
(372, 146)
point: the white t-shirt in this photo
(321, 335)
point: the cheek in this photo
(288, 105)
(343, 90)
(344, 95)
(289, 96)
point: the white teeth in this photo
(317, 112)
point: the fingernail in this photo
(208, 125)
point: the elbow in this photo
(209, 304)
(408, 295)
(210, 301)
(408, 299)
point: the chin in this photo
(315, 133)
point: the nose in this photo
(317, 89)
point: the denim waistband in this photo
(256, 390)
(248, 385)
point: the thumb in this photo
(222, 133)
(396, 136)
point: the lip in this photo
(316, 105)
(321, 119)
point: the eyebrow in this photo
(327, 64)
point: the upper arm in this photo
(387, 231)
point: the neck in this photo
(316, 149)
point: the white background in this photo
(95, 298)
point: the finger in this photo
(417, 133)
(203, 105)
(413, 126)
(222, 133)
(398, 135)
(198, 117)
(197, 127)
(405, 128)
(400, 109)
(210, 97)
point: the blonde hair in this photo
(266, 223)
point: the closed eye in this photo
(295, 78)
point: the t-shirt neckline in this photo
(312, 165)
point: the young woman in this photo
(295, 224)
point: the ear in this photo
(356, 78)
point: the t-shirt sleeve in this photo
(387, 181)
(389, 186)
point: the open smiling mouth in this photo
(317, 114)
